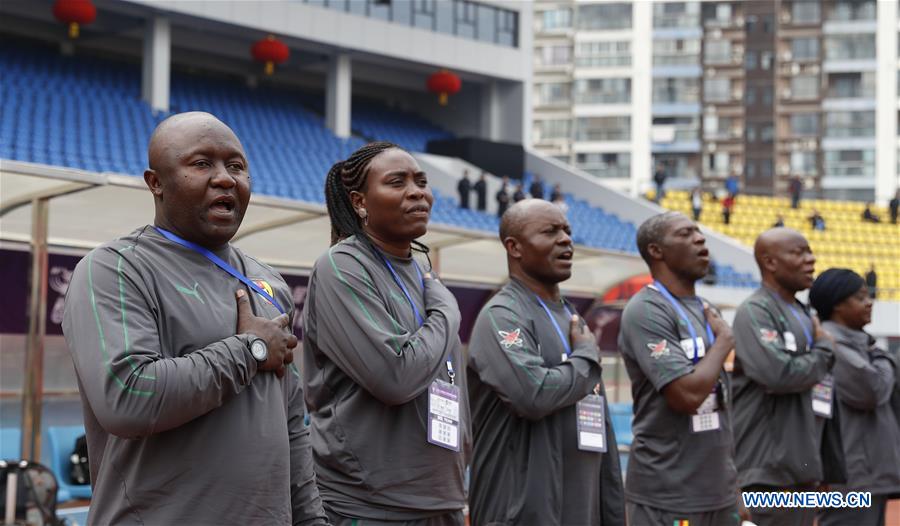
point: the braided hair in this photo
(348, 176)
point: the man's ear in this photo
(153, 182)
(513, 247)
(655, 250)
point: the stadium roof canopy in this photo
(87, 209)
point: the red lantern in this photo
(74, 12)
(444, 84)
(271, 51)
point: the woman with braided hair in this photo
(382, 365)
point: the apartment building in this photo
(761, 89)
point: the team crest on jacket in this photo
(659, 349)
(510, 338)
(768, 335)
(263, 284)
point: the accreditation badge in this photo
(591, 424)
(707, 417)
(823, 397)
(443, 415)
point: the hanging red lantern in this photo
(444, 84)
(74, 13)
(271, 51)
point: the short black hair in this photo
(653, 230)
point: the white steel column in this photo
(886, 177)
(157, 63)
(641, 94)
(338, 95)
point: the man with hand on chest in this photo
(681, 465)
(783, 391)
(182, 348)
(544, 448)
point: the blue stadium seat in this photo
(58, 445)
(10, 443)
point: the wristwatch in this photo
(258, 349)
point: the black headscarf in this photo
(832, 287)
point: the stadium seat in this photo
(10, 443)
(58, 445)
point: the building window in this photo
(676, 52)
(608, 53)
(607, 165)
(806, 12)
(851, 85)
(554, 55)
(750, 60)
(554, 93)
(766, 133)
(803, 49)
(717, 14)
(603, 91)
(850, 47)
(803, 163)
(603, 129)
(717, 52)
(556, 19)
(849, 163)
(848, 10)
(551, 129)
(719, 163)
(676, 90)
(805, 87)
(765, 168)
(683, 128)
(721, 128)
(765, 60)
(850, 124)
(676, 14)
(804, 124)
(604, 16)
(717, 90)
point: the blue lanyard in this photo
(221, 264)
(809, 340)
(450, 372)
(559, 332)
(690, 326)
(399, 282)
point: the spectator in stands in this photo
(464, 187)
(872, 281)
(727, 208)
(865, 379)
(503, 197)
(519, 194)
(534, 366)
(182, 366)
(781, 354)
(870, 216)
(371, 365)
(732, 185)
(681, 467)
(697, 202)
(816, 221)
(557, 194)
(481, 192)
(537, 188)
(795, 187)
(894, 206)
(659, 178)
(779, 221)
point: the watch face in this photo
(259, 350)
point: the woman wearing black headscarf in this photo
(865, 380)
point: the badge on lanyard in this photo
(443, 415)
(823, 397)
(591, 424)
(707, 417)
(790, 341)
